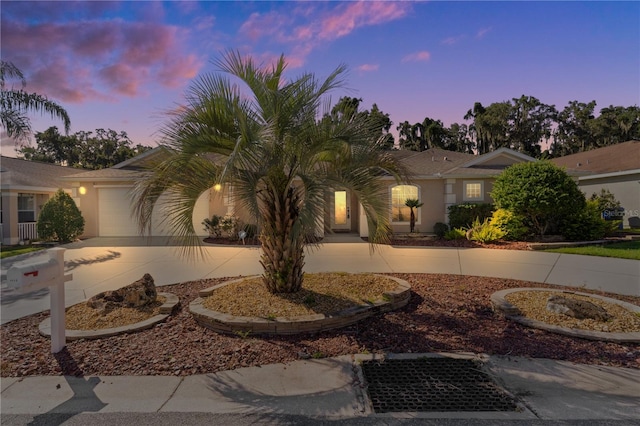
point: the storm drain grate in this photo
(433, 384)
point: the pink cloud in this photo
(318, 26)
(453, 40)
(346, 18)
(368, 67)
(421, 56)
(483, 32)
(84, 60)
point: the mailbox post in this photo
(38, 274)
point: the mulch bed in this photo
(446, 313)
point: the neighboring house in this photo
(439, 179)
(26, 186)
(615, 168)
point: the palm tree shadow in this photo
(84, 398)
(70, 265)
(294, 392)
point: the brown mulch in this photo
(446, 313)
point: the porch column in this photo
(10, 218)
(449, 197)
(363, 225)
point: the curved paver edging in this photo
(225, 323)
(511, 312)
(165, 310)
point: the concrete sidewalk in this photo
(328, 389)
(314, 391)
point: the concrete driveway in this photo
(101, 264)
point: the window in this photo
(473, 191)
(26, 208)
(400, 194)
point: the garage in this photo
(114, 214)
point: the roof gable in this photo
(500, 158)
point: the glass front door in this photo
(341, 216)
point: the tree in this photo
(530, 123)
(16, 104)
(457, 139)
(82, 149)
(60, 219)
(541, 192)
(475, 128)
(574, 131)
(267, 144)
(413, 203)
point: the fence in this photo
(27, 231)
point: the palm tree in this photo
(270, 145)
(412, 203)
(15, 104)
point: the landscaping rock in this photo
(137, 294)
(580, 309)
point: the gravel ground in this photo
(446, 313)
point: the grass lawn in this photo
(8, 251)
(624, 250)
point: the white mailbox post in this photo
(40, 273)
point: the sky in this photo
(122, 65)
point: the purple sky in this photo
(121, 65)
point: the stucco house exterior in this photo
(615, 168)
(25, 187)
(439, 179)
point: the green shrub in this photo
(60, 219)
(539, 191)
(455, 234)
(221, 226)
(586, 225)
(511, 224)
(484, 232)
(463, 215)
(440, 229)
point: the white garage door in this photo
(200, 213)
(114, 213)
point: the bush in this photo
(542, 193)
(511, 224)
(455, 234)
(484, 232)
(463, 215)
(60, 219)
(440, 229)
(586, 225)
(221, 226)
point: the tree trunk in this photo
(412, 221)
(282, 250)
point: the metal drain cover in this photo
(433, 384)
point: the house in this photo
(439, 179)
(25, 186)
(615, 168)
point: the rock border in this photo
(230, 324)
(513, 313)
(165, 310)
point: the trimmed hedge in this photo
(463, 215)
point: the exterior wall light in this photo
(82, 190)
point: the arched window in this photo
(399, 194)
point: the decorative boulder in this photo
(579, 309)
(137, 294)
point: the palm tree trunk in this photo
(282, 250)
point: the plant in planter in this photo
(413, 203)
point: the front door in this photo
(341, 211)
